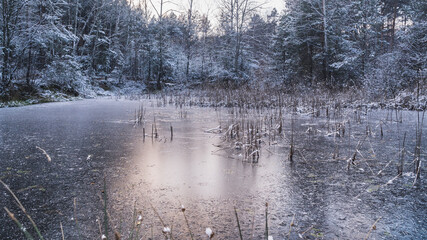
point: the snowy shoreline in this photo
(403, 101)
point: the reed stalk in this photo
(105, 199)
(266, 221)
(373, 227)
(186, 221)
(238, 224)
(22, 209)
(20, 226)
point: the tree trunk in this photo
(160, 71)
(5, 42)
(237, 33)
(188, 40)
(75, 42)
(325, 51)
(30, 58)
(393, 27)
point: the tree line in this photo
(378, 45)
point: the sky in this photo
(211, 6)
(205, 5)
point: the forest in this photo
(74, 47)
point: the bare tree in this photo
(189, 36)
(325, 40)
(9, 15)
(236, 14)
(160, 14)
(205, 27)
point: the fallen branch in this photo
(214, 130)
(45, 153)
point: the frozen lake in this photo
(92, 140)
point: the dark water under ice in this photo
(92, 140)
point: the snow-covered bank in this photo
(40, 92)
(248, 96)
